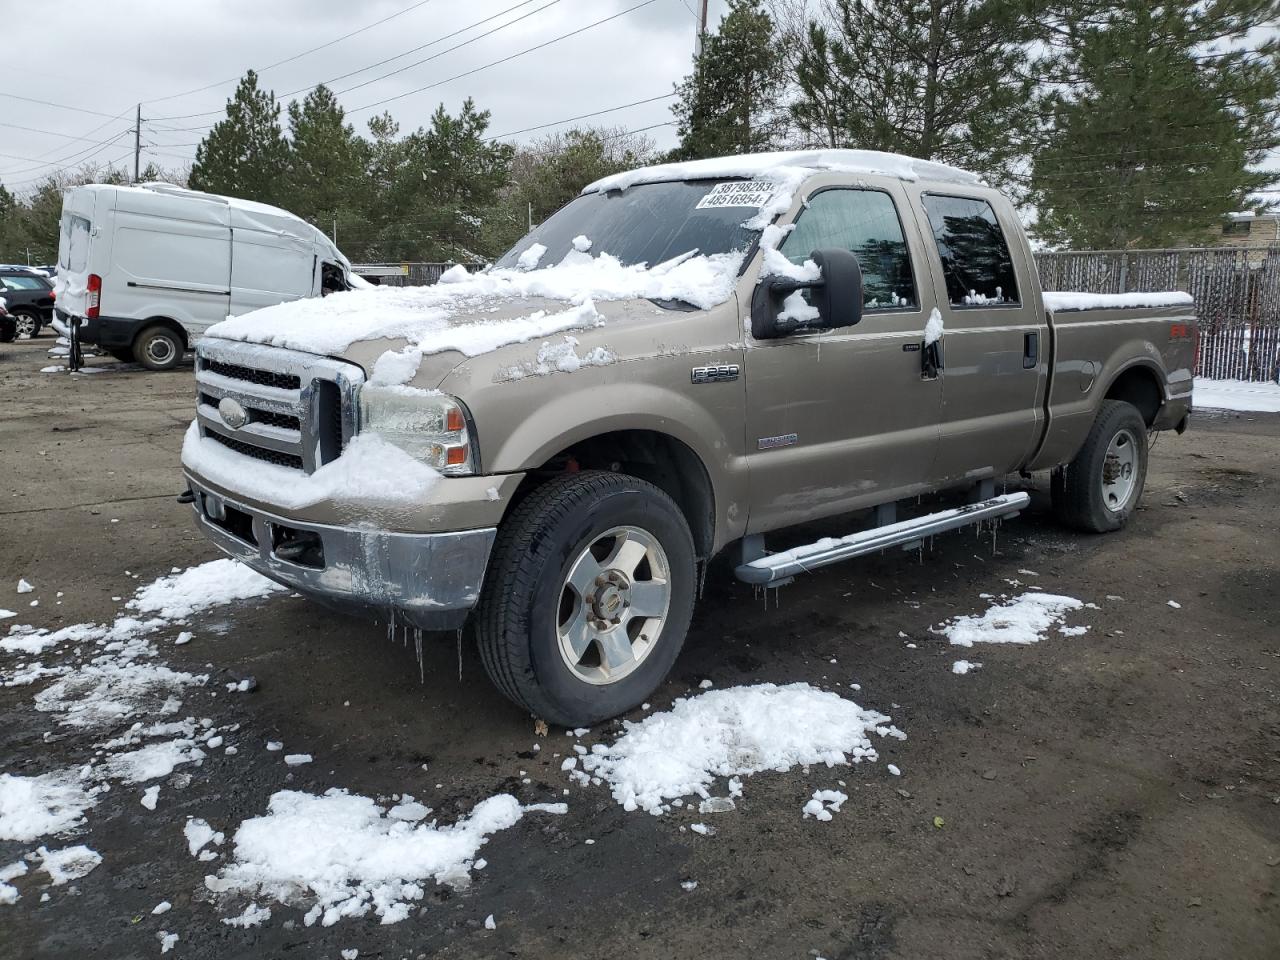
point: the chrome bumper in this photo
(427, 580)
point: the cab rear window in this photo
(975, 256)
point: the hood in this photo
(417, 334)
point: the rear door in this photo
(842, 419)
(994, 344)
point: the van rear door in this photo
(75, 235)
(171, 257)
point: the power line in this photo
(583, 116)
(297, 56)
(447, 36)
(60, 106)
(506, 59)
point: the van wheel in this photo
(158, 348)
(588, 597)
(1099, 490)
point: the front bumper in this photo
(427, 580)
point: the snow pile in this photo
(823, 804)
(454, 316)
(370, 468)
(110, 690)
(1236, 395)
(1058, 301)
(558, 358)
(210, 584)
(1024, 619)
(933, 329)
(69, 863)
(32, 807)
(728, 733)
(345, 855)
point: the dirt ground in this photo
(1110, 795)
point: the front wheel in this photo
(1099, 490)
(588, 597)
(158, 348)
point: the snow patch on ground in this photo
(1023, 619)
(32, 807)
(69, 863)
(152, 761)
(108, 691)
(964, 666)
(8, 892)
(344, 855)
(823, 804)
(1236, 395)
(729, 733)
(212, 584)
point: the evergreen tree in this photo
(1161, 115)
(730, 103)
(937, 79)
(450, 176)
(244, 155)
(326, 162)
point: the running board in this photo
(783, 566)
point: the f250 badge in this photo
(717, 373)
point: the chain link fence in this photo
(1236, 290)
(402, 274)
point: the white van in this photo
(149, 268)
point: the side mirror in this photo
(837, 297)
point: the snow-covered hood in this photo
(391, 331)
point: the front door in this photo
(842, 419)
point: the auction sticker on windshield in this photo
(737, 193)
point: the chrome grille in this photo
(301, 408)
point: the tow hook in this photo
(186, 496)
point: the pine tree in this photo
(449, 178)
(327, 160)
(937, 79)
(1162, 114)
(730, 103)
(244, 155)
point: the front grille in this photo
(299, 408)
(258, 453)
(263, 378)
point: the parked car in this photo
(149, 268)
(29, 297)
(720, 351)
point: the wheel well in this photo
(667, 463)
(1138, 386)
(173, 325)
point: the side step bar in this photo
(783, 566)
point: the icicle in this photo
(417, 646)
(391, 626)
(459, 655)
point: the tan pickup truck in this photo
(682, 360)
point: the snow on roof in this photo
(783, 165)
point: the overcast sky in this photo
(105, 57)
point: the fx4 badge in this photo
(718, 373)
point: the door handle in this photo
(1030, 351)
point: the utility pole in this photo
(335, 231)
(137, 144)
(702, 28)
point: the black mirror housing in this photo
(837, 295)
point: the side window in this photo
(975, 257)
(864, 222)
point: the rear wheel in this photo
(27, 323)
(588, 597)
(8, 329)
(1099, 490)
(158, 348)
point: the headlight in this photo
(426, 425)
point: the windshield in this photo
(648, 224)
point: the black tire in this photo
(158, 348)
(521, 604)
(123, 354)
(27, 321)
(1081, 497)
(8, 330)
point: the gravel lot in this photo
(1113, 794)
